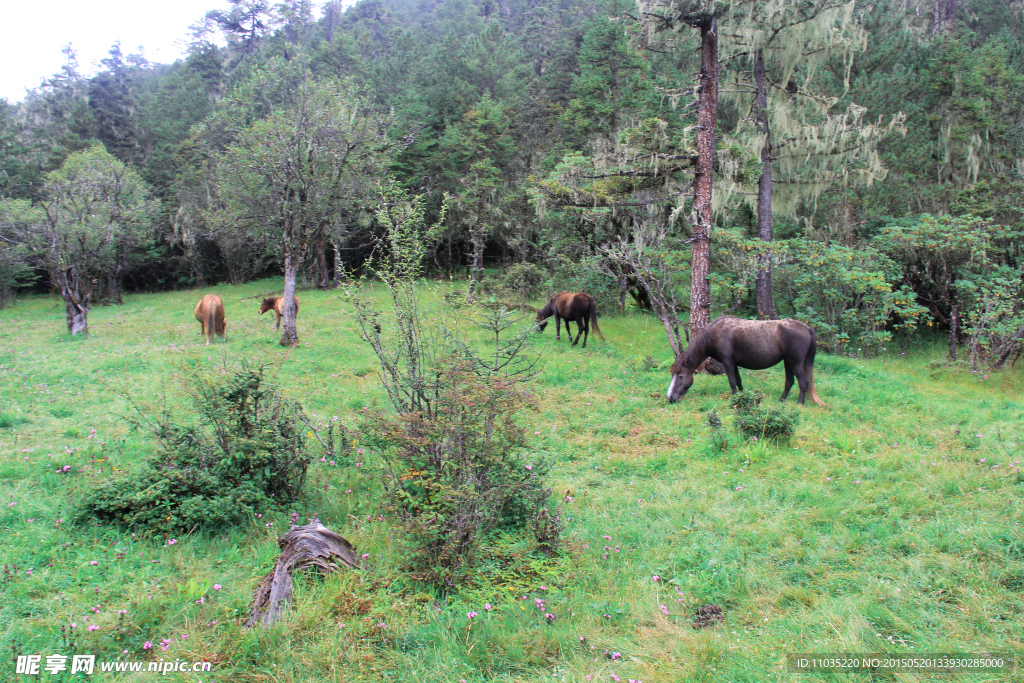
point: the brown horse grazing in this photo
(576, 307)
(751, 344)
(277, 303)
(210, 314)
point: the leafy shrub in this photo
(455, 465)
(747, 400)
(458, 473)
(247, 451)
(719, 440)
(521, 281)
(994, 321)
(849, 296)
(758, 419)
(936, 252)
(714, 420)
(774, 422)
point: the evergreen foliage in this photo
(246, 453)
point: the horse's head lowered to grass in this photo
(751, 344)
(544, 314)
(682, 373)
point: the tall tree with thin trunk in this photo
(297, 169)
(763, 278)
(785, 42)
(707, 121)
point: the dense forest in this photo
(857, 165)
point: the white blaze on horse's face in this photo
(680, 384)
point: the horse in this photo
(751, 344)
(210, 314)
(576, 307)
(277, 303)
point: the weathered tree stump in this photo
(312, 546)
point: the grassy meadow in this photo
(890, 523)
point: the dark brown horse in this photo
(210, 314)
(751, 344)
(277, 303)
(574, 307)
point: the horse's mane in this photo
(696, 352)
(698, 349)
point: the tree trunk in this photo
(322, 272)
(954, 324)
(115, 288)
(945, 17)
(623, 291)
(332, 267)
(763, 280)
(478, 259)
(292, 260)
(197, 273)
(707, 116)
(77, 313)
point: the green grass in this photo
(890, 522)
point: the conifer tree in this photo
(114, 103)
(780, 46)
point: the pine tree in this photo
(114, 103)
(781, 45)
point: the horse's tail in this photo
(211, 320)
(809, 369)
(221, 326)
(593, 317)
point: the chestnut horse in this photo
(751, 344)
(576, 307)
(210, 314)
(277, 303)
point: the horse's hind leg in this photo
(586, 332)
(580, 328)
(801, 380)
(789, 381)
